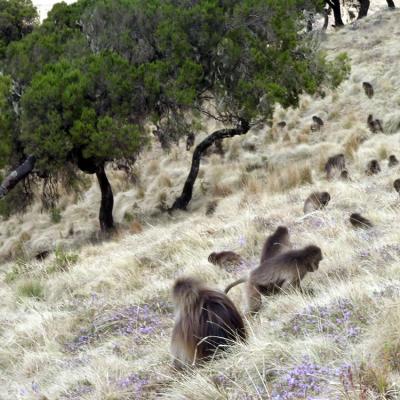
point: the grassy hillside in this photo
(93, 320)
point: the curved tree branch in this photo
(19, 173)
(183, 200)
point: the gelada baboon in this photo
(190, 141)
(316, 201)
(276, 243)
(344, 175)
(335, 163)
(393, 161)
(359, 221)
(317, 123)
(225, 258)
(373, 167)
(206, 320)
(368, 89)
(396, 185)
(280, 272)
(374, 125)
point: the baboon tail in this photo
(239, 281)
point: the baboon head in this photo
(324, 198)
(312, 257)
(185, 291)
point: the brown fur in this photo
(275, 243)
(225, 258)
(206, 321)
(317, 123)
(280, 272)
(368, 89)
(344, 175)
(393, 161)
(374, 125)
(359, 221)
(190, 141)
(335, 163)
(316, 201)
(373, 167)
(396, 185)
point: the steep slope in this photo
(95, 323)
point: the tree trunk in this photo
(107, 201)
(21, 172)
(364, 7)
(183, 200)
(335, 5)
(390, 3)
(327, 11)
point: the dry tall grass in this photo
(93, 320)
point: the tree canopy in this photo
(80, 88)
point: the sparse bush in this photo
(31, 288)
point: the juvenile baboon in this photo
(368, 89)
(281, 124)
(393, 161)
(396, 185)
(225, 258)
(280, 272)
(374, 125)
(206, 321)
(317, 123)
(190, 141)
(276, 243)
(344, 175)
(359, 221)
(373, 167)
(335, 163)
(316, 201)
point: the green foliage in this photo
(31, 288)
(17, 19)
(83, 106)
(6, 120)
(95, 72)
(338, 69)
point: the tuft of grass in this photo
(291, 177)
(63, 261)
(55, 215)
(383, 153)
(20, 268)
(221, 190)
(351, 146)
(31, 288)
(135, 227)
